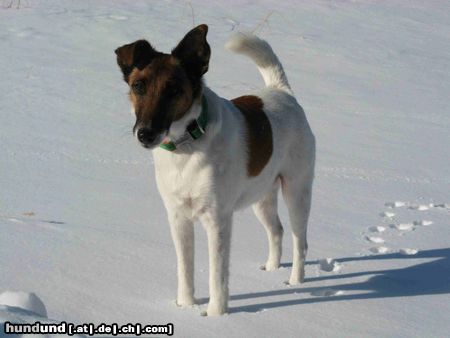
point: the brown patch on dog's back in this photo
(259, 132)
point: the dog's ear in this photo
(193, 52)
(137, 54)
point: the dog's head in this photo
(163, 86)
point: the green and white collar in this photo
(194, 130)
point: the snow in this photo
(82, 224)
(24, 300)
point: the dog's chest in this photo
(184, 184)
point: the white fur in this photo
(264, 57)
(207, 179)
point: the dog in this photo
(213, 156)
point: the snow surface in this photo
(24, 300)
(81, 221)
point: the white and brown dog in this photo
(214, 156)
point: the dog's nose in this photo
(146, 135)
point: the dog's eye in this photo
(138, 87)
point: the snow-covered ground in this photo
(81, 221)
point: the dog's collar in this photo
(194, 130)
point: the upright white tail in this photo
(262, 54)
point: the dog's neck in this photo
(179, 129)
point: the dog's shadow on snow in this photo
(428, 278)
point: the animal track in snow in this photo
(375, 239)
(442, 205)
(388, 214)
(420, 207)
(327, 293)
(408, 251)
(396, 204)
(329, 265)
(379, 250)
(415, 206)
(378, 228)
(403, 226)
(423, 223)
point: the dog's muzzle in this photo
(147, 137)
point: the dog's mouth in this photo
(148, 146)
(151, 145)
(165, 141)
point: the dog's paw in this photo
(186, 302)
(293, 282)
(269, 266)
(296, 280)
(212, 313)
(214, 310)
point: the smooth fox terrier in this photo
(213, 156)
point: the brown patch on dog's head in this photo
(160, 93)
(259, 133)
(163, 86)
(135, 55)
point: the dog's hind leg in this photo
(266, 210)
(297, 195)
(182, 231)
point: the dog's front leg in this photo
(182, 231)
(218, 228)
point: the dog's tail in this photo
(262, 54)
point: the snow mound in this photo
(17, 315)
(24, 300)
(374, 239)
(379, 250)
(408, 251)
(387, 214)
(403, 226)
